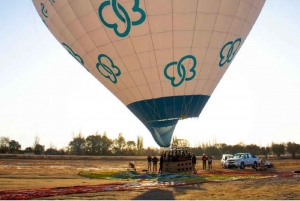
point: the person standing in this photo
(209, 160)
(149, 159)
(204, 159)
(161, 162)
(189, 156)
(194, 161)
(154, 160)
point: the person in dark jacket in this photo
(154, 160)
(149, 159)
(194, 161)
(189, 156)
(204, 159)
(161, 162)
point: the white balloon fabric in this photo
(161, 58)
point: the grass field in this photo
(21, 175)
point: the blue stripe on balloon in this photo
(161, 115)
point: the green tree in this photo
(105, 145)
(253, 149)
(293, 148)
(39, 149)
(98, 145)
(14, 146)
(240, 147)
(131, 148)
(121, 142)
(265, 151)
(223, 148)
(78, 144)
(51, 151)
(91, 144)
(61, 152)
(94, 144)
(131, 145)
(277, 149)
(198, 151)
(212, 150)
(28, 150)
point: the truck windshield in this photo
(238, 156)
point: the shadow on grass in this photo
(156, 194)
(164, 194)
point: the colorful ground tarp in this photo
(139, 181)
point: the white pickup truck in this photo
(242, 160)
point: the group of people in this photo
(177, 155)
(204, 158)
(207, 158)
(154, 160)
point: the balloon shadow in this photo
(183, 189)
(163, 194)
(156, 194)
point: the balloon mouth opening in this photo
(162, 131)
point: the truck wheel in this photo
(242, 166)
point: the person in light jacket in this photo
(194, 161)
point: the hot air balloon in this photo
(161, 58)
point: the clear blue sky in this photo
(45, 92)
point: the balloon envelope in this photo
(161, 58)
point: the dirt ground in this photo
(20, 174)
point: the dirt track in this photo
(17, 174)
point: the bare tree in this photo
(52, 146)
(140, 145)
(36, 141)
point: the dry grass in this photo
(16, 174)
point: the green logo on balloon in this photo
(73, 54)
(123, 16)
(44, 21)
(52, 2)
(44, 10)
(230, 53)
(181, 71)
(110, 71)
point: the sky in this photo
(45, 92)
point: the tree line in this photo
(102, 145)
